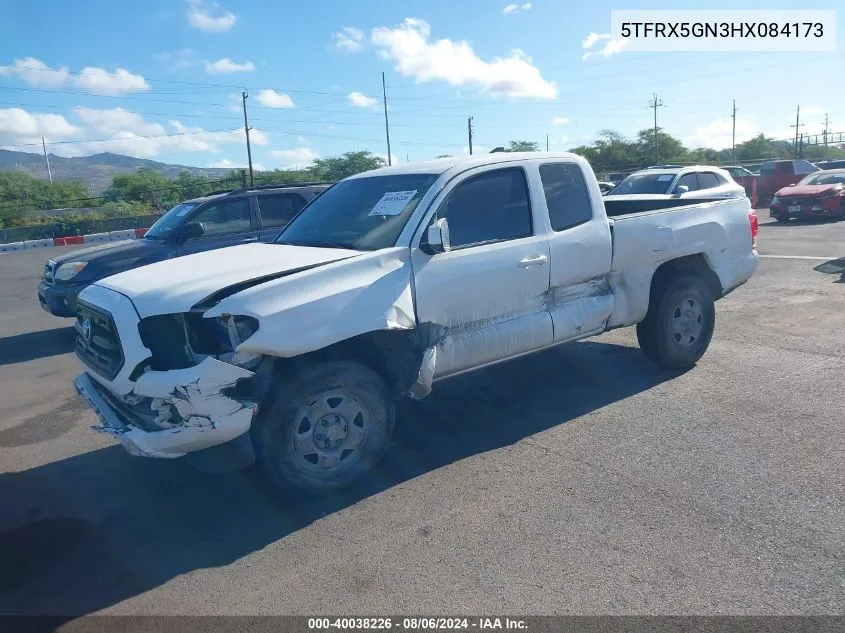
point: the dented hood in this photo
(176, 285)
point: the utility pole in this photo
(47, 159)
(654, 104)
(386, 124)
(469, 132)
(826, 122)
(796, 126)
(733, 134)
(547, 142)
(248, 148)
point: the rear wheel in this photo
(323, 427)
(679, 324)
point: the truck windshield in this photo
(363, 214)
(167, 224)
(643, 183)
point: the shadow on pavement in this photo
(39, 344)
(833, 267)
(90, 531)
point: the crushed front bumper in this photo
(197, 409)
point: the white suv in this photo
(697, 182)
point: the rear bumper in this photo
(59, 299)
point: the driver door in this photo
(226, 223)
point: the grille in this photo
(803, 200)
(97, 342)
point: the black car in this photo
(214, 221)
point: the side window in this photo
(707, 180)
(566, 195)
(785, 168)
(689, 180)
(490, 207)
(224, 218)
(277, 210)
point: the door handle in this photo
(537, 260)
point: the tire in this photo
(323, 427)
(782, 219)
(679, 324)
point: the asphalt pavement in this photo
(582, 480)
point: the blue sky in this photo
(161, 79)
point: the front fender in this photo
(326, 305)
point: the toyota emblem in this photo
(86, 330)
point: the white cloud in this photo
(560, 120)
(611, 47)
(592, 38)
(210, 19)
(717, 133)
(393, 157)
(516, 8)
(226, 66)
(228, 164)
(101, 81)
(273, 99)
(360, 100)
(456, 63)
(297, 157)
(95, 80)
(34, 72)
(349, 40)
(117, 120)
(183, 58)
(17, 126)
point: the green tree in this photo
(348, 164)
(523, 146)
(22, 196)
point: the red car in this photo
(819, 195)
(777, 174)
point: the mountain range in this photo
(95, 171)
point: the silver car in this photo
(698, 182)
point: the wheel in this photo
(782, 219)
(323, 427)
(679, 324)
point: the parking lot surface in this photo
(580, 480)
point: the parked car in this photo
(294, 352)
(697, 182)
(744, 177)
(604, 187)
(831, 164)
(210, 222)
(777, 174)
(819, 195)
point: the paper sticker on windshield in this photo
(393, 202)
(665, 177)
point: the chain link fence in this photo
(77, 227)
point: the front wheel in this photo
(323, 427)
(679, 324)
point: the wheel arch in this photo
(697, 265)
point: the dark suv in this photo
(213, 221)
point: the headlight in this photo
(69, 270)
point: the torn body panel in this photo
(194, 409)
(317, 308)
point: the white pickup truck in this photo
(293, 353)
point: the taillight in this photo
(755, 228)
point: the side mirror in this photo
(192, 231)
(680, 190)
(436, 239)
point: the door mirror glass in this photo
(681, 190)
(436, 239)
(192, 231)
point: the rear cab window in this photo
(567, 196)
(278, 209)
